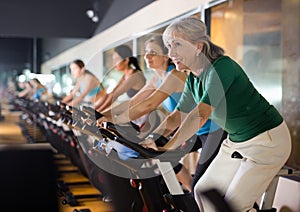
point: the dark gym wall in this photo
(118, 10)
(54, 46)
(16, 54)
(58, 25)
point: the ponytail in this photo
(134, 64)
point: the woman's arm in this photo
(26, 92)
(69, 97)
(90, 85)
(169, 124)
(146, 91)
(102, 103)
(105, 102)
(123, 87)
(173, 83)
(143, 108)
(100, 93)
(135, 81)
(191, 124)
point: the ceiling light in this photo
(90, 13)
(95, 19)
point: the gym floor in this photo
(11, 133)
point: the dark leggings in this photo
(211, 144)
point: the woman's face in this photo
(154, 56)
(182, 52)
(118, 61)
(75, 70)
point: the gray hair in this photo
(194, 31)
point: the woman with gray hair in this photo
(258, 142)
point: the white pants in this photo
(243, 181)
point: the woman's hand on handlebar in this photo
(149, 143)
(70, 103)
(101, 120)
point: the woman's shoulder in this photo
(226, 63)
(91, 76)
(222, 59)
(138, 74)
(225, 60)
(227, 68)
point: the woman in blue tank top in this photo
(166, 88)
(87, 85)
(39, 90)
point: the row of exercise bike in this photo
(145, 181)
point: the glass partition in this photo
(64, 82)
(250, 33)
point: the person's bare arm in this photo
(146, 91)
(69, 97)
(173, 83)
(102, 103)
(26, 92)
(91, 85)
(106, 102)
(193, 122)
(132, 82)
(169, 124)
(135, 81)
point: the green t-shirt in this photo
(238, 107)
